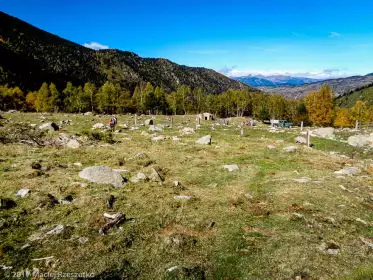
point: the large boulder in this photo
(51, 126)
(361, 140)
(103, 175)
(205, 140)
(324, 132)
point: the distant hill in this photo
(274, 80)
(31, 56)
(349, 99)
(340, 86)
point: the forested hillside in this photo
(30, 56)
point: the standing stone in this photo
(102, 175)
(205, 140)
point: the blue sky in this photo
(316, 38)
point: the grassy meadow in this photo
(253, 223)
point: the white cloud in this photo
(208, 52)
(334, 34)
(96, 46)
(321, 74)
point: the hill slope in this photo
(31, 56)
(340, 86)
(349, 100)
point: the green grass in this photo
(219, 234)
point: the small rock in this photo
(49, 126)
(79, 184)
(155, 128)
(231, 167)
(212, 185)
(205, 140)
(149, 122)
(155, 176)
(175, 138)
(23, 192)
(57, 230)
(83, 240)
(73, 144)
(298, 216)
(176, 183)
(159, 138)
(300, 140)
(302, 180)
(88, 114)
(138, 177)
(36, 165)
(141, 155)
(187, 131)
(348, 171)
(270, 147)
(78, 164)
(103, 175)
(361, 221)
(290, 149)
(98, 126)
(182, 197)
(342, 188)
(248, 196)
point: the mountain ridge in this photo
(33, 56)
(274, 80)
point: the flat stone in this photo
(57, 230)
(231, 167)
(182, 197)
(159, 138)
(82, 240)
(361, 221)
(302, 180)
(270, 147)
(187, 131)
(23, 192)
(138, 177)
(348, 171)
(300, 140)
(290, 149)
(102, 175)
(98, 126)
(205, 140)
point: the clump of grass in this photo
(106, 136)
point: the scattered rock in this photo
(49, 126)
(82, 240)
(302, 180)
(175, 138)
(205, 140)
(290, 149)
(149, 122)
(367, 242)
(138, 177)
(98, 126)
(7, 203)
(212, 185)
(361, 140)
(103, 175)
(297, 216)
(155, 128)
(182, 197)
(361, 221)
(330, 248)
(270, 147)
(141, 155)
(79, 184)
(62, 139)
(324, 132)
(342, 188)
(159, 138)
(187, 131)
(23, 192)
(88, 114)
(114, 220)
(155, 176)
(57, 230)
(348, 171)
(300, 140)
(73, 144)
(78, 164)
(176, 183)
(231, 167)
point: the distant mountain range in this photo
(340, 86)
(274, 80)
(31, 56)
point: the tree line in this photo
(317, 108)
